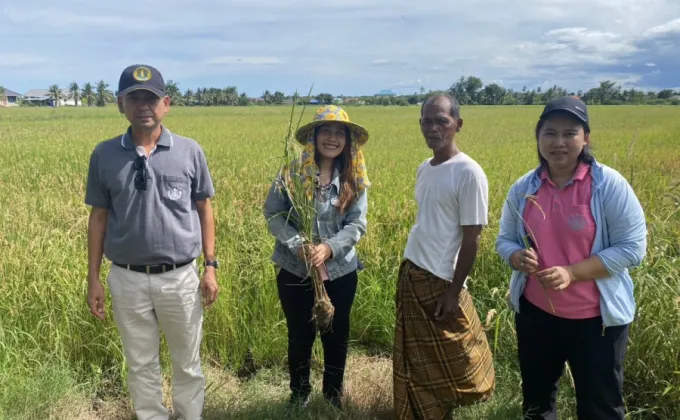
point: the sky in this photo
(348, 47)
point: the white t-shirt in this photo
(450, 195)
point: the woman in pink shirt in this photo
(570, 230)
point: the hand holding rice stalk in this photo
(300, 191)
(530, 239)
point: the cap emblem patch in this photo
(141, 74)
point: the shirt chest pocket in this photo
(329, 215)
(175, 190)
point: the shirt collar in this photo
(579, 175)
(336, 178)
(597, 171)
(166, 139)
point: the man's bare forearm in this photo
(466, 256)
(96, 232)
(205, 214)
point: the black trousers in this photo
(545, 342)
(297, 300)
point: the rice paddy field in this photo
(58, 362)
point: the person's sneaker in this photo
(298, 401)
(335, 401)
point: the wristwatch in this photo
(212, 263)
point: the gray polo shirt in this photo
(161, 224)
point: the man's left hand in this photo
(556, 278)
(209, 287)
(447, 305)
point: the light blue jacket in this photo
(620, 238)
(340, 231)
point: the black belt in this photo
(152, 269)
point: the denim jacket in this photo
(340, 231)
(620, 238)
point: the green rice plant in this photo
(45, 325)
(302, 214)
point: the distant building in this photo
(42, 97)
(338, 101)
(385, 92)
(11, 98)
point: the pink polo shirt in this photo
(565, 236)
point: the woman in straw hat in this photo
(332, 161)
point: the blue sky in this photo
(346, 47)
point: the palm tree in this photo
(88, 94)
(55, 93)
(189, 97)
(74, 90)
(243, 100)
(267, 96)
(231, 95)
(173, 92)
(103, 96)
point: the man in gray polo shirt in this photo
(151, 216)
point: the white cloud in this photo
(353, 46)
(650, 64)
(407, 84)
(672, 27)
(255, 61)
(20, 60)
(566, 47)
(593, 41)
(56, 20)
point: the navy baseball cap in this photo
(140, 76)
(568, 104)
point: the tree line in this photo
(91, 95)
(468, 90)
(471, 91)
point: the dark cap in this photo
(140, 76)
(568, 104)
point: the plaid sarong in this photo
(437, 366)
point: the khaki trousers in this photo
(172, 301)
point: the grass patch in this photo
(46, 330)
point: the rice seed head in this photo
(490, 316)
(534, 200)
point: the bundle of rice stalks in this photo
(301, 192)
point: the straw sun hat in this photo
(332, 113)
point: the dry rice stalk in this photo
(534, 200)
(303, 215)
(323, 310)
(530, 238)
